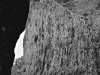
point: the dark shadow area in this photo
(13, 17)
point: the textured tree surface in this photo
(59, 41)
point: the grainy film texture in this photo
(62, 38)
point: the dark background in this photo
(13, 18)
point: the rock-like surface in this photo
(59, 41)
